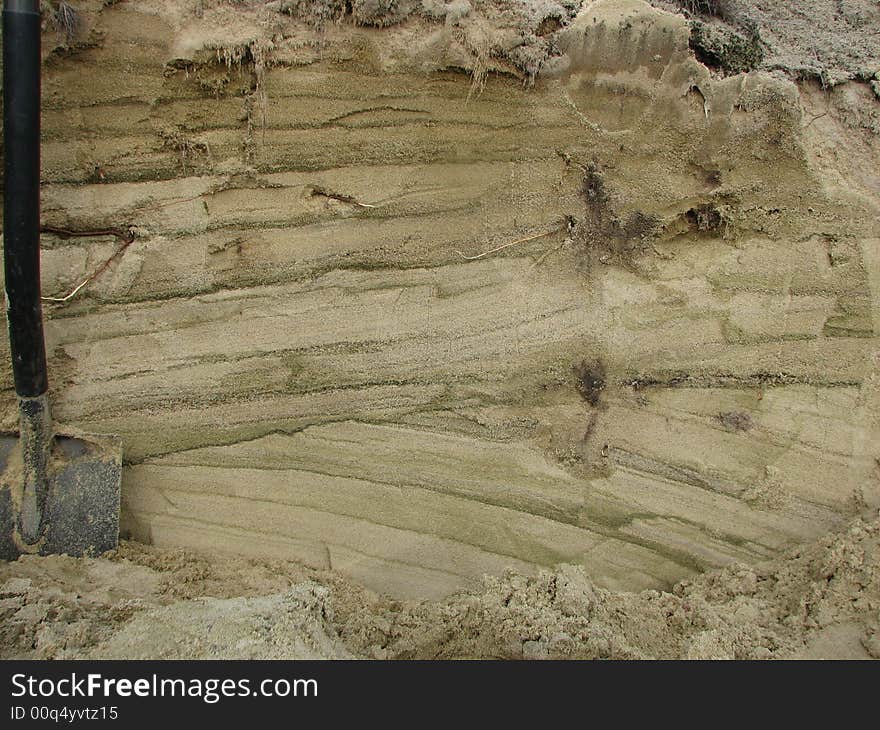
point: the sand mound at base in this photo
(820, 601)
(780, 609)
(292, 625)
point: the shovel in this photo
(59, 493)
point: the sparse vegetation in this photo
(723, 9)
(381, 13)
(726, 50)
(254, 56)
(66, 19)
(318, 13)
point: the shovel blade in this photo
(81, 514)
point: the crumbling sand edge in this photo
(821, 601)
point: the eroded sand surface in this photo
(819, 601)
(424, 292)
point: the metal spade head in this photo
(80, 514)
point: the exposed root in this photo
(67, 20)
(127, 238)
(512, 243)
(321, 192)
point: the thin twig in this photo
(319, 191)
(509, 244)
(123, 235)
(71, 295)
(316, 191)
(168, 204)
(126, 242)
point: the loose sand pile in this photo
(820, 601)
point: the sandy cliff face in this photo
(397, 307)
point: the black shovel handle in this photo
(21, 202)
